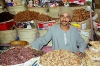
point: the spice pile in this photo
(5, 16)
(60, 58)
(24, 16)
(18, 55)
(81, 15)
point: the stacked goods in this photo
(93, 54)
(60, 58)
(5, 16)
(28, 35)
(81, 15)
(24, 16)
(18, 55)
(15, 9)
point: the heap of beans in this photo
(24, 16)
(5, 16)
(18, 55)
(81, 15)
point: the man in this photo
(63, 35)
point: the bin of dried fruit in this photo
(19, 55)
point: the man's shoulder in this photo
(73, 28)
(54, 27)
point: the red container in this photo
(3, 26)
(51, 23)
(45, 25)
(6, 25)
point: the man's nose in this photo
(64, 18)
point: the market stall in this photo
(27, 20)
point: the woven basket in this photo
(28, 35)
(15, 9)
(7, 36)
(38, 9)
(53, 12)
(18, 2)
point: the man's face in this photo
(64, 19)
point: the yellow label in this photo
(76, 25)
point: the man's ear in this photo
(70, 20)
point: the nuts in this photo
(60, 58)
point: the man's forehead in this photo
(65, 13)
